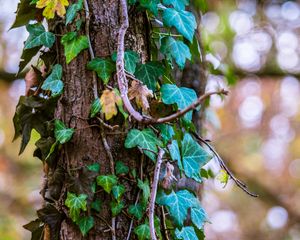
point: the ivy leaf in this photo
(145, 139)
(118, 191)
(194, 157)
(144, 186)
(142, 231)
(183, 21)
(95, 107)
(108, 102)
(38, 36)
(136, 211)
(175, 153)
(166, 132)
(94, 167)
(121, 168)
(26, 57)
(75, 204)
(52, 6)
(72, 11)
(140, 93)
(186, 233)
(53, 82)
(107, 182)
(151, 5)
(119, 103)
(176, 49)
(223, 177)
(178, 204)
(103, 67)
(73, 45)
(131, 58)
(61, 132)
(25, 13)
(116, 208)
(177, 4)
(183, 97)
(85, 225)
(199, 216)
(148, 73)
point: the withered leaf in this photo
(140, 93)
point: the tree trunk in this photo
(86, 146)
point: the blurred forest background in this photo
(252, 46)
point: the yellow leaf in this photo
(108, 102)
(52, 6)
(141, 93)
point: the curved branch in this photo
(194, 105)
(121, 76)
(161, 153)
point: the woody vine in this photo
(170, 141)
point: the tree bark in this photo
(86, 146)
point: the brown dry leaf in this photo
(141, 93)
(108, 102)
(52, 6)
(31, 80)
(168, 177)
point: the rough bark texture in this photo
(86, 146)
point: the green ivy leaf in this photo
(149, 73)
(199, 216)
(25, 13)
(194, 157)
(96, 205)
(95, 107)
(175, 153)
(131, 58)
(177, 4)
(75, 204)
(145, 187)
(183, 97)
(145, 139)
(73, 45)
(85, 225)
(61, 132)
(53, 82)
(118, 191)
(178, 204)
(223, 177)
(95, 167)
(38, 36)
(116, 208)
(72, 11)
(183, 21)
(151, 5)
(26, 57)
(142, 231)
(136, 211)
(107, 182)
(176, 49)
(121, 168)
(186, 233)
(166, 132)
(103, 67)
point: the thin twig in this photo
(131, 222)
(112, 169)
(87, 32)
(161, 153)
(239, 183)
(107, 125)
(164, 223)
(194, 105)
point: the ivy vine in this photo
(170, 141)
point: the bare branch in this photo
(161, 153)
(239, 183)
(194, 105)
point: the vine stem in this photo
(159, 161)
(222, 164)
(87, 32)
